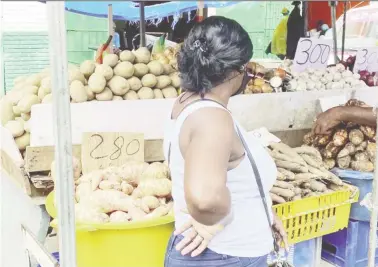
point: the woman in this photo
(220, 218)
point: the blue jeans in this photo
(208, 258)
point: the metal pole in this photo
(110, 26)
(333, 16)
(344, 28)
(374, 215)
(142, 25)
(64, 185)
(305, 17)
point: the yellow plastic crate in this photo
(316, 216)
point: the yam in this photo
(280, 176)
(312, 161)
(368, 131)
(131, 95)
(356, 137)
(285, 149)
(175, 80)
(371, 151)
(279, 156)
(105, 95)
(340, 137)
(155, 68)
(135, 83)
(344, 162)
(169, 92)
(362, 166)
(78, 92)
(111, 60)
(127, 55)
(361, 156)
(163, 81)
(140, 70)
(105, 71)
(149, 80)
(27, 102)
(308, 139)
(158, 94)
(119, 85)
(96, 83)
(331, 150)
(146, 93)
(142, 55)
(124, 69)
(362, 146)
(23, 141)
(87, 68)
(16, 128)
(277, 199)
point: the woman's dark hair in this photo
(213, 49)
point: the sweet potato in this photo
(291, 166)
(317, 186)
(285, 193)
(287, 174)
(284, 185)
(277, 199)
(305, 176)
(308, 150)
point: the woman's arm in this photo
(206, 162)
(327, 120)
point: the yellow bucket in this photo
(139, 244)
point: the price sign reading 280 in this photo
(312, 53)
(102, 150)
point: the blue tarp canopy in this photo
(127, 10)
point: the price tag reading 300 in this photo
(312, 53)
(366, 59)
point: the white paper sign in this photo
(366, 59)
(263, 136)
(327, 103)
(312, 53)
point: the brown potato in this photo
(340, 137)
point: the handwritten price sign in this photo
(102, 150)
(312, 53)
(366, 59)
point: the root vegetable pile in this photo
(301, 174)
(350, 146)
(133, 192)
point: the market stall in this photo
(306, 188)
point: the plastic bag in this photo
(278, 46)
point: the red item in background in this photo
(102, 49)
(320, 10)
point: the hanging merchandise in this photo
(295, 30)
(278, 45)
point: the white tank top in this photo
(249, 234)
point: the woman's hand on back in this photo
(198, 237)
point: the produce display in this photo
(350, 146)
(284, 79)
(131, 75)
(133, 192)
(301, 174)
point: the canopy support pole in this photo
(333, 5)
(142, 25)
(374, 214)
(64, 184)
(344, 28)
(110, 27)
